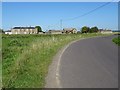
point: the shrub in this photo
(117, 40)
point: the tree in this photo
(38, 28)
(1, 31)
(94, 29)
(91, 30)
(85, 29)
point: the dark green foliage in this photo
(117, 40)
(38, 28)
(85, 29)
(1, 31)
(93, 30)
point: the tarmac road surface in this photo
(90, 63)
(87, 63)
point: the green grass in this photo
(116, 40)
(26, 58)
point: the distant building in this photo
(8, 32)
(41, 33)
(105, 31)
(55, 31)
(24, 30)
(78, 32)
(70, 30)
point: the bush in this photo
(117, 40)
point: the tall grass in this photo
(26, 57)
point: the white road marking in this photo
(58, 66)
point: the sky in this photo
(60, 0)
(49, 14)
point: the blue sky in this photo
(48, 14)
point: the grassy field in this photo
(117, 40)
(25, 58)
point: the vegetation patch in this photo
(117, 40)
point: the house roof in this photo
(24, 28)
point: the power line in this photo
(54, 24)
(88, 12)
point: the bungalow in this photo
(55, 31)
(70, 30)
(24, 30)
(105, 31)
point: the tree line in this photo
(86, 29)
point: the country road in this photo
(87, 63)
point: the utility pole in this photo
(48, 28)
(60, 24)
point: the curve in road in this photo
(88, 63)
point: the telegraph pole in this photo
(60, 24)
(48, 28)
